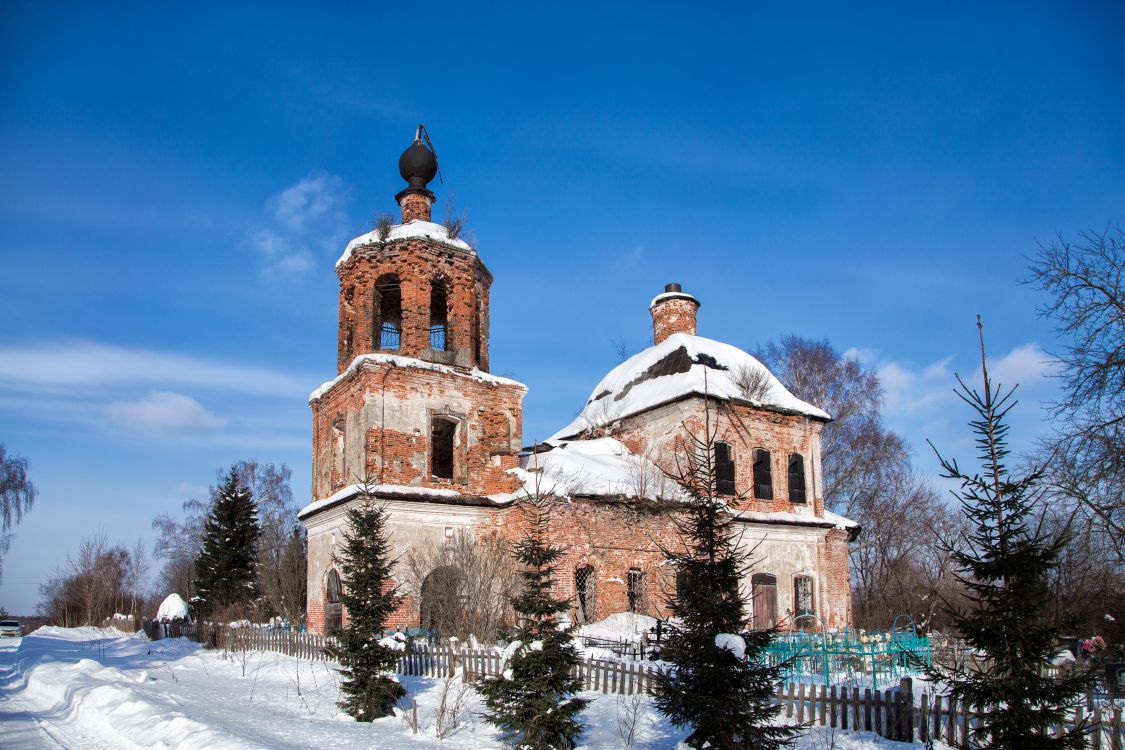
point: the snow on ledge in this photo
(418, 364)
(780, 516)
(671, 295)
(414, 228)
(382, 490)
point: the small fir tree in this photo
(367, 663)
(226, 570)
(724, 696)
(533, 702)
(1005, 564)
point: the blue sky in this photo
(177, 182)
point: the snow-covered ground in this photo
(95, 688)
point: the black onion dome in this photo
(417, 165)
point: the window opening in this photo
(803, 595)
(334, 611)
(724, 469)
(442, 432)
(796, 478)
(635, 589)
(584, 585)
(763, 479)
(439, 316)
(388, 328)
(339, 445)
(477, 317)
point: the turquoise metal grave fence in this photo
(878, 659)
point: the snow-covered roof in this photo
(411, 229)
(391, 491)
(417, 364)
(602, 467)
(173, 608)
(682, 365)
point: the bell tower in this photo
(413, 404)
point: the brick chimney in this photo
(672, 312)
(416, 206)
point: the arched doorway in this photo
(443, 600)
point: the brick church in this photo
(414, 408)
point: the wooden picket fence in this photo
(893, 714)
(302, 645)
(888, 713)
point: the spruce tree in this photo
(369, 687)
(226, 570)
(1005, 563)
(533, 702)
(722, 695)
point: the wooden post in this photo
(855, 708)
(832, 708)
(878, 711)
(867, 709)
(823, 702)
(789, 703)
(937, 718)
(801, 703)
(906, 705)
(964, 725)
(1097, 731)
(924, 720)
(1115, 737)
(414, 716)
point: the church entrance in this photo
(763, 588)
(443, 600)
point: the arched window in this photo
(478, 318)
(763, 478)
(763, 592)
(635, 589)
(439, 315)
(724, 469)
(803, 602)
(387, 331)
(796, 478)
(333, 609)
(339, 448)
(585, 585)
(442, 436)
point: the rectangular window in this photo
(803, 595)
(724, 469)
(442, 433)
(763, 478)
(796, 478)
(635, 588)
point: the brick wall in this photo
(385, 411)
(417, 262)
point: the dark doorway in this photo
(443, 600)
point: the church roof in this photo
(414, 228)
(684, 365)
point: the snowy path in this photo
(93, 688)
(23, 722)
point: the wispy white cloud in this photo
(78, 367)
(315, 198)
(305, 221)
(164, 411)
(920, 402)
